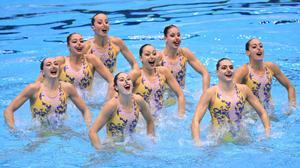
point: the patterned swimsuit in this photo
(108, 57)
(123, 123)
(227, 110)
(44, 106)
(178, 68)
(261, 86)
(152, 91)
(81, 79)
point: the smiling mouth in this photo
(53, 72)
(127, 87)
(104, 31)
(259, 54)
(79, 49)
(152, 63)
(228, 75)
(177, 43)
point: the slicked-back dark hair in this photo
(219, 61)
(167, 28)
(93, 18)
(142, 48)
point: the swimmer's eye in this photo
(154, 53)
(231, 67)
(147, 54)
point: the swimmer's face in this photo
(256, 50)
(76, 44)
(225, 70)
(124, 84)
(173, 38)
(101, 25)
(149, 57)
(50, 68)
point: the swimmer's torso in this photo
(227, 109)
(81, 79)
(178, 68)
(261, 85)
(108, 56)
(44, 105)
(122, 122)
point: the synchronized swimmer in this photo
(141, 91)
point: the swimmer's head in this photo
(123, 83)
(116, 80)
(93, 18)
(247, 45)
(219, 62)
(70, 37)
(167, 28)
(142, 49)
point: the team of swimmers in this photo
(141, 91)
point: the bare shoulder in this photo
(60, 59)
(162, 69)
(111, 104)
(31, 89)
(67, 86)
(243, 88)
(242, 70)
(34, 87)
(271, 65)
(186, 51)
(90, 57)
(243, 67)
(116, 40)
(139, 99)
(212, 90)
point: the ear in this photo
(248, 52)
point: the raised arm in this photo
(198, 115)
(80, 104)
(199, 67)
(126, 52)
(259, 108)
(102, 70)
(173, 84)
(100, 121)
(284, 81)
(146, 114)
(26, 94)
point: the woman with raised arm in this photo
(257, 75)
(225, 102)
(108, 47)
(48, 98)
(78, 68)
(150, 81)
(121, 113)
(175, 58)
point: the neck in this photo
(125, 100)
(51, 84)
(258, 65)
(226, 86)
(170, 52)
(101, 41)
(75, 58)
(148, 72)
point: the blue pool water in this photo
(32, 30)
